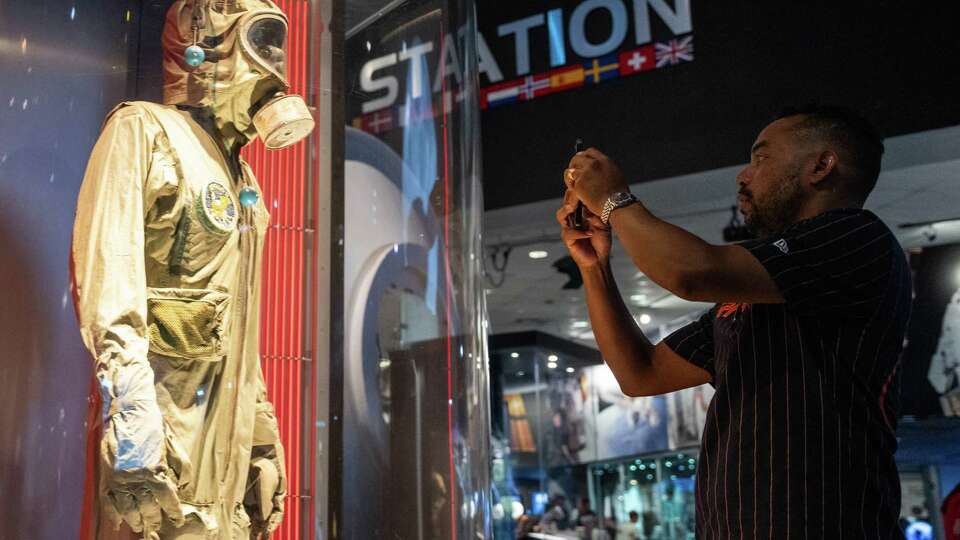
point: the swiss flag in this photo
(637, 60)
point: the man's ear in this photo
(825, 164)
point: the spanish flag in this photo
(566, 77)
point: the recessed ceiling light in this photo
(570, 370)
(552, 365)
(538, 254)
(514, 355)
(552, 358)
(645, 319)
(579, 324)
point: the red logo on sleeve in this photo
(729, 309)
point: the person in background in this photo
(630, 530)
(584, 517)
(555, 518)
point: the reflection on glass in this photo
(64, 65)
(416, 417)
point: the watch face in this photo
(621, 198)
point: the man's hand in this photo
(593, 177)
(590, 247)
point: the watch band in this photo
(615, 201)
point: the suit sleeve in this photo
(267, 458)
(110, 289)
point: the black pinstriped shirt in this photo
(800, 435)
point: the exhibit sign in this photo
(563, 48)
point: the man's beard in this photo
(779, 210)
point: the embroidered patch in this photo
(217, 209)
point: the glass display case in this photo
(371, 332)
(415, 412)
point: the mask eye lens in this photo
(267, 38)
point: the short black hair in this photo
(849, 130)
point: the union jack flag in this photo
(673, 52)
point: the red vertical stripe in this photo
(314, 296)
(447, 291)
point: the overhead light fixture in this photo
(579, 324)
(638, 298)
(538, 254)
(553, 358)
(645, 319)
(570, 370)
(552, 365)
(521, 373)
(514, 355)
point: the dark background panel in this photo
(889, 60)
(63, 66)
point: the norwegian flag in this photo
(535, 86)
(673, 52)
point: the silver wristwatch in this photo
(617, 200)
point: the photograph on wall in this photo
(932, 346)
(944, 372)
(626, 426)
(570, 426)
(686, 415)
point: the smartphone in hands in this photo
(577, 220)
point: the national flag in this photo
(601, 69)
(673, 52)
(535, 86)
(637, 60)
(565, 78)
(379, 121)
(500, 93)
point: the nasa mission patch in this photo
(217, 209)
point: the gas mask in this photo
(230, 56)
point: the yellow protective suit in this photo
(166, 268)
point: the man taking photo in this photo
(803, 344)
